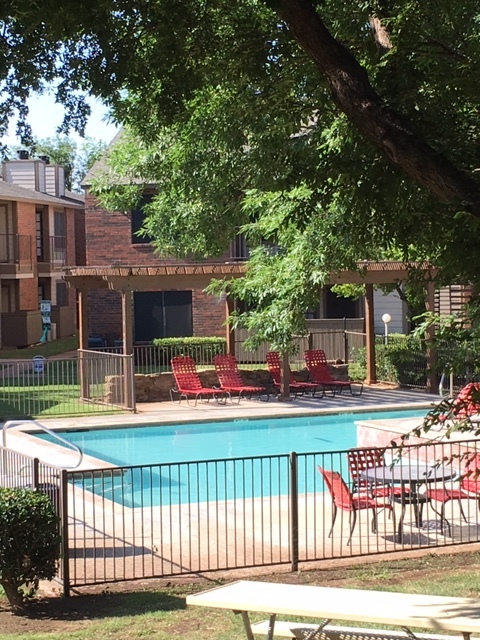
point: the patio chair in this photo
(296, 386)
(360, 459)
(319, 373)
(344, 499)
(468, 488)
(230, 378)
(467, 402)
(188, 383)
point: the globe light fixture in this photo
(386, 318)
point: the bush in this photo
(29, 543)
(201, 350)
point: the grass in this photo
(162, 613)
(51, 348)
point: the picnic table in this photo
(404, 610)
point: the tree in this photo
(329, 133)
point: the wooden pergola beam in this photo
(197, 276)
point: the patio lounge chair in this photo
(296, 386)
(230, 378)
(467, 489)
(317, 366)
(345, 500)
(188, 383)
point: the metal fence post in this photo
(345, 342)
(294, 510)
(64, 561)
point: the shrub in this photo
(29, 543)
(201, 350)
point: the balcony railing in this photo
(54, 252)
(16, 249)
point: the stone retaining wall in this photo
(155, 387)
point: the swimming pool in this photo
(206, 461)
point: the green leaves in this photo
(29, 542)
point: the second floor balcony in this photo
(52, 253)
(16, 253)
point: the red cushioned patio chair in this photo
(467, 402)
(231, 380)
(317, 366)
(467, 489)
(188, 383)
(297, 387)
(345, 500)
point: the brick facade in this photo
(109, 243)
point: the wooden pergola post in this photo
(83, 341)
(370, 335)
(127, 339)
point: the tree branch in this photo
(355, 96)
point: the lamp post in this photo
(386, 318)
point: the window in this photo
(137, 217)
(162, 314)
(62, 294)
(59, 238)
(39, 216)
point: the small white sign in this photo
(45, 307)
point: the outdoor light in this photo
(386, 318)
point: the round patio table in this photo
(410, 477)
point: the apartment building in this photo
(41, 233)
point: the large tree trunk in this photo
(355, 96)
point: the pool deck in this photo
(372, 398)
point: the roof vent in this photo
(45, 159)
(22, 154)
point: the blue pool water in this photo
(173, 452)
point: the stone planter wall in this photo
(155, 387)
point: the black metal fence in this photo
(156, 521)
(162, 520)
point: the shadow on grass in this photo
(100, 606)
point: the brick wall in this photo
(208, 314)
(108, 242)
(27, 294)
(105, 313)
(26, 219)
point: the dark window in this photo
(339, 307)
(137, 217)
(62, 296)
(162, 314)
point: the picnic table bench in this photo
(404, 610)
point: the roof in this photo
(9, 191)
(100, 165)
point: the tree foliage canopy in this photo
(329, 132)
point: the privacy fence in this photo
(161, 520)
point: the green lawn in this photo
(48, 349)
(162, 613)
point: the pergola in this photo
(126, 280)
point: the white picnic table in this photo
(405, 610)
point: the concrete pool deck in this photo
(373, 398)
